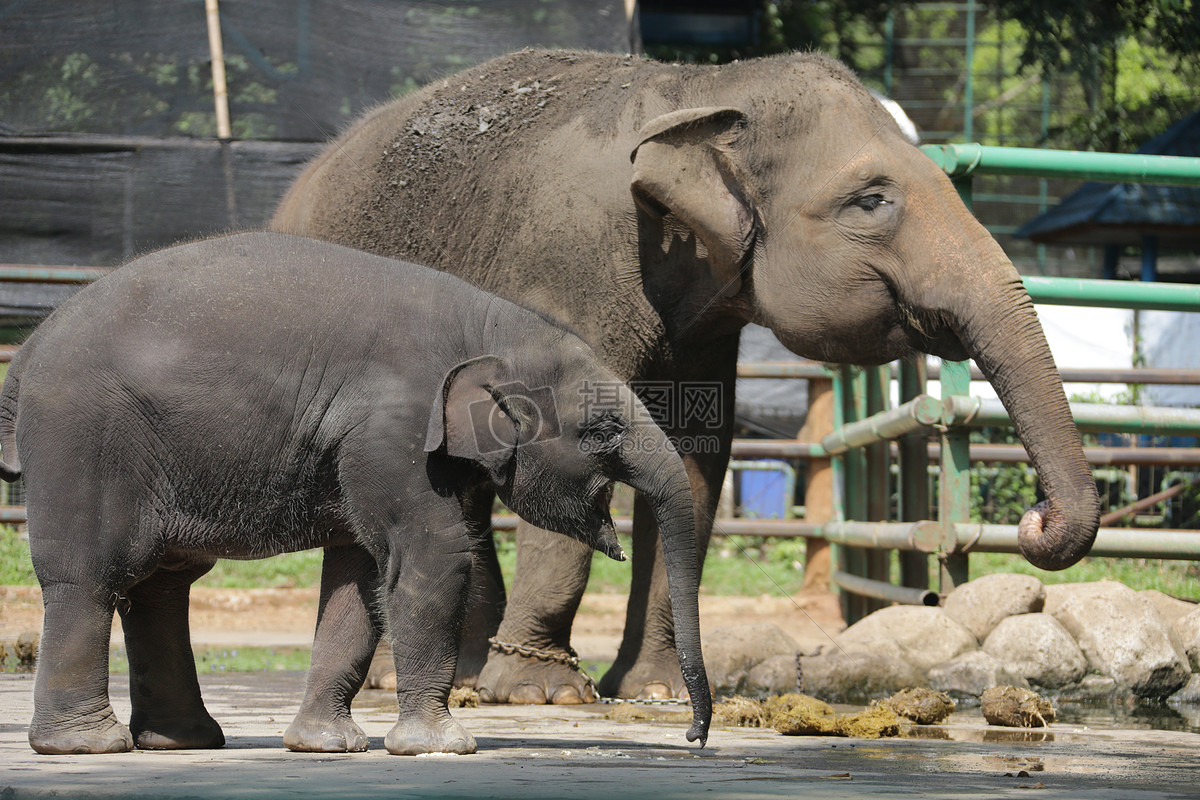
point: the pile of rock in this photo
(1084, 641)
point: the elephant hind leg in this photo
(72, 713)
(168, 711)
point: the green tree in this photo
(1137, 61)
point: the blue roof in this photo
(1121, 213)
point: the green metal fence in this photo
(952, 536)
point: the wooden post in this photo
(818, 500)
(216, 51)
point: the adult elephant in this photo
(657, 209)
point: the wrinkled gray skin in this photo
(658, 208)
(262, 394)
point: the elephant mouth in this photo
(605, 539)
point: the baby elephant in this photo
(260, 394)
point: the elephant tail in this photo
(10, 462)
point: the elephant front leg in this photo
(347, 633)
(551, 575)
(425, 608)
(168, 711)
(485, 603)
(71, 711)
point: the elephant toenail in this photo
(567, 696)
(527, 694)
(655, 691)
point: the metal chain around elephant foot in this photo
(571, 659)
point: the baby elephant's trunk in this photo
(655, 469)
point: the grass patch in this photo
(288, 571)
(16, 569)
(231, 659)
(1176, 578)
(213, 659)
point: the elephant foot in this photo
(312, 735)
(382, 672)
(200, 732)
(527, 680)
(411, 736)
(106, 735)
(646, 679)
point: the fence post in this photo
(954, 491)
(854, 497)
(818, 496)
(878, 477)
(914, 476)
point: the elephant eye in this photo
(870, 202)
(602, 434)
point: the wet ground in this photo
(555, 752)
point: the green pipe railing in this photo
(963, 160)
(1113, 294)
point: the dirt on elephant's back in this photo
(287, 617)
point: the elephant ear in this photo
(682, 166)
(467, 418)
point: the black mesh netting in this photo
(296, 69)
(107, 126)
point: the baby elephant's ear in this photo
(466, 417)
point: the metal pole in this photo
(1115, 294)
(954, 494)
(969, 93)
(959, 160)
(975, 411)
(878, 477)
(916, 415)
(914, 475)
(882, 590)
(1149, 259)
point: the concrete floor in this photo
(528, 753)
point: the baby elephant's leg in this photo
(425, 605)
(347, 632)
(78, 564)
(71, 711)
(168, 712)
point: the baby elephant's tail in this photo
(10, 462)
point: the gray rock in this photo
(969, 674)
(730, 652)
(1059, 593)
(1171, 608)
(924, 637)
(776, 675)
(1125, 637)
(1189, 694)
(1037, 647)
(979, 605)
(1095, 688)
(839, 676)
(1187, 632)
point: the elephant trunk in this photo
(650, 465)
(1000, 330)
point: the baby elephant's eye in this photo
(870, 202)
(602, 434)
